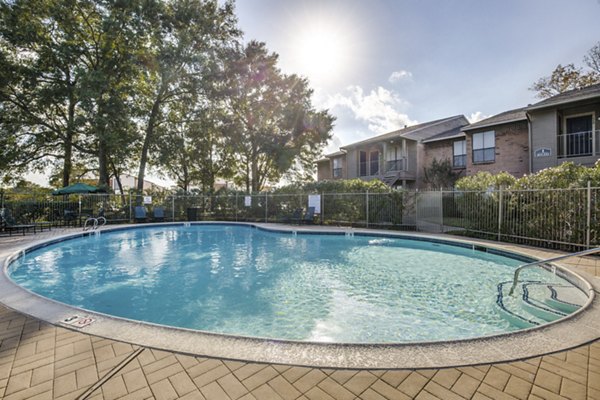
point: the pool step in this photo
(539, 303)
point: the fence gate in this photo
(430, 216)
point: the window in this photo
(362, 164)
(460, 154)
(337, 167)
(484, 147)
(374, 158)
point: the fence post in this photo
(322, 207)
(173, 207)
(500, 214)
(129, 205)
(266, 206)
(589, 214)
(235, 206)
(367, 195)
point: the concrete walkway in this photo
(42, 361)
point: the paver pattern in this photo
(42, 361)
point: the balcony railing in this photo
(396, 165)
(578, 144)
(337, 172)
(368, 168)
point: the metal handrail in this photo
(533, 264)
(95, 223)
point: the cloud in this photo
(380, 108)
(397, 76)
(477, 116)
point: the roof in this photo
(451, 134)
(418, 132)
(588, 92)
(505, 117)
(327, 157)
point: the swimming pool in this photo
(239, 280)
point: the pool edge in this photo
(546, 339)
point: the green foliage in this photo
(440, 174)
(337, 186)
(484, 180)
(566, 175)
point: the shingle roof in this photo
(505, 117)
(585, 93)
(418, 132)
(451, 134)
(326, 157)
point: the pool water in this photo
(239, 280)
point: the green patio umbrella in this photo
(77, 188)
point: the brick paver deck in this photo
(41, 361)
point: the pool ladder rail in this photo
(547, 260)
(94, 223)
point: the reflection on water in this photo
(240, 280)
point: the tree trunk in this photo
(147, 141)
(118, 179)
(103, 164)
(68, 145)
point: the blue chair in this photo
(158, 214)
(309, 216)
(139, 214)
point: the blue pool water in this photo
(245, 281)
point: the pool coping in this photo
(574, 330)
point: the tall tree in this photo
(191, 35)
(274, 117)
(42, 49)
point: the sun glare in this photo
(320, 52)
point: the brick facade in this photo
(512, 150)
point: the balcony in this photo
(579, 144)
(396, 165)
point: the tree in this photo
(570, 77)
(187, 43)
(42, 45)
(564, 78)
(440, 174)
(277, 125)
(592, 58)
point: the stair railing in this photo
(547, 260)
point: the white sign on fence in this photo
(248, 201)
(314, 200)
(147, 199)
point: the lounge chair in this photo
(158, 214)
(9, 225)
(139, 214)
(296, 216)
(309, 216)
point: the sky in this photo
(378, 65)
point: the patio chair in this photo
(309, 216)
(296, 217)
(158, 214)
(139, 214)
(9, 225)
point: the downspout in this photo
(530, 142)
